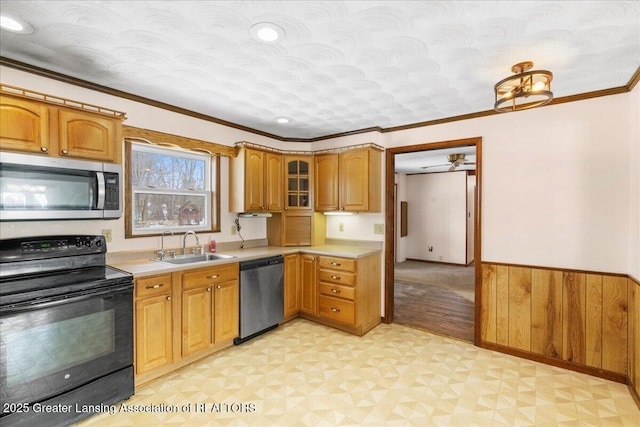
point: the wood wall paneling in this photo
(573, 313)
(546, 312)
(633, 351)
(488, 304)
(520, 308)
(615, 311)
(502, 305)
(593, 320)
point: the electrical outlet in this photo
(378, 228)
(106, 232)
(234, 230)
(341, 226)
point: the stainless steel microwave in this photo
(50, 188)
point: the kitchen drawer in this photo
(153, 285)
(338, 277)
(342, 264)
(209, 276)
(337, 309)
(346, 292)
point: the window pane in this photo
(153, 210)
(167, 171)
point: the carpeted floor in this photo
(458, 279)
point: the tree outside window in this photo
(171, 189)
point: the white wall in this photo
(401, 242)
(559, 187)
(471, 217)
(437, 206)
(143, 116)
(555, 183)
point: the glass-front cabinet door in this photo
(299, 177)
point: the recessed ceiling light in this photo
(267, 32)
(283, 120)
(15, 25)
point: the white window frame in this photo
(206, 192)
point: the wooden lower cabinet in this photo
(183, 316)
(308, 287)
(342, 292)
(153, 323)
(197, 322)
(291, 285)
(226, 313)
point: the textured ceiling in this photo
(342, 66)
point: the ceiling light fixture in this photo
(267, 32)
(526, 89)
(15, 25)
(283, 120)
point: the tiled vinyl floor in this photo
(305, 374)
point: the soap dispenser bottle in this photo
(212, 245)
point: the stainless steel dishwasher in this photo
(261, 296)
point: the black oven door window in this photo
(56, 346)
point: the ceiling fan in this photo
(455, 160)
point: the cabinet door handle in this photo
(155, 286)
(169, 298)
(209, 289)
(335, 263)
(65, 151)
(335, 291)
(335, 277)
(335, 310)
(219, 287)
(215, 276)
(44, 149)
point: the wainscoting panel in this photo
(633, 374)
(571, 316)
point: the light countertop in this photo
(147, 267)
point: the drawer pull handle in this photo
(335, 263)
(335, 310)
(335, 277)
(215, 276)
(155, 286)
(168, 298)
(335, 291)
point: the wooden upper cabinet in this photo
(354, 180)
(25, 125)
(326, 181)
(349, 181)
(87, 136)
(298, 171)
(60, 128)
(273, 185)
(256, 181)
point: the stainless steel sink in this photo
(188, 259)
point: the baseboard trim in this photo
(426, 261)
(601, 373)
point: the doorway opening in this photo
(469, 261)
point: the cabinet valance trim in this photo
(166, 139)
(59, 101)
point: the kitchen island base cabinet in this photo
(343, 293)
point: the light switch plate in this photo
(378, 228)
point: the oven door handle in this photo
(61, 300)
